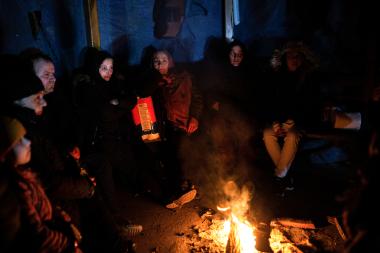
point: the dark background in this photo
(343, 33)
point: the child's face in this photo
(106, 69)
(22, 151)
(161, 63)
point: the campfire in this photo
(238, 232)
(231, 229)
(241, 237)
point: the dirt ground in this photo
(164, 229)
(317, 188)
(173, 231)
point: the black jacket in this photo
(48, 161)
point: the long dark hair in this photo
(243, 49)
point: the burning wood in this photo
(233, 243)
(229, 231)
(288, 222)
(334, 220)
(241, 237)
(210, 236)
(297, 236)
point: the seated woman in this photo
(231, 83)
(292, 104)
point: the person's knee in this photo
(268, 133)
(293, 136)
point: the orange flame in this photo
(237, 229)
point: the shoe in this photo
(289, 184)
(283, 185)
(130, 230)
(185, 198)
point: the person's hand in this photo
(92, 185)
(193, 125)
(277, 129)
(372, 147)
(93, 180)
(76, 247)
(288, 125)
(114, 101)
(64, 215)
(75, 153)
(215, 106)
(91, 190)
(78, 250)
(376, 94)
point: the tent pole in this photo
(92, 23)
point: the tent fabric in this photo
(126, 28)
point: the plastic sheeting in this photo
(126, 28)
(62, 29)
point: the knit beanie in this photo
(18, 80)
(25, 87)
(11, 131)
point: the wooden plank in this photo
(92, 23)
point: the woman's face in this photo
(161, 63)
(46, 72)
(35, 102)
(294, 60)
(236, 56)
(106, 69)
(22, 151)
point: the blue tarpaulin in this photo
(332, 28)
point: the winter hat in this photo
(25, 86)
(18, 79)
(11, 131)
(299, 47)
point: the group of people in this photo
(61, 152)
(51, 188)
(59, 165)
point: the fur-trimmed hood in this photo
(278, 57)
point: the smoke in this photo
(219, 154)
